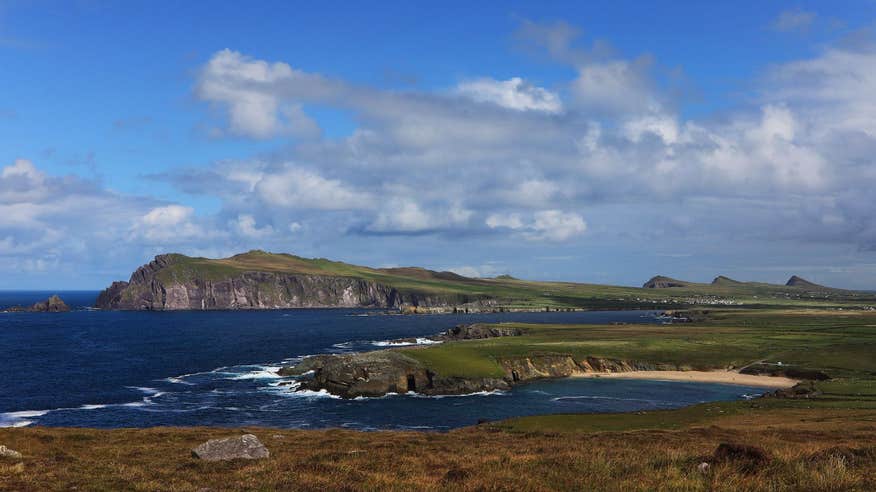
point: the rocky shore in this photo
(380, 372)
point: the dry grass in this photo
(481, 458)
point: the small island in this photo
(53, 304)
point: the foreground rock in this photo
(246, 447)
(9, 453)
(53, 304)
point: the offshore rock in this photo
(53, 304)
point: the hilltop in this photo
(263, 280)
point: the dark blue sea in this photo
(140, 369)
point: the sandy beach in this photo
(725, 377)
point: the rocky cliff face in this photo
(377, 373)
(149, 290)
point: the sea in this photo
(110, 369)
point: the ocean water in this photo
(140, 369)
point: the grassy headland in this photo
(506, 292)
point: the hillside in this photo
(261, 280)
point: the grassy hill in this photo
(523, 294)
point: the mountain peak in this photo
(663, 282)
(721, 279)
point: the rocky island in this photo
(53, 304)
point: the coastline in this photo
(723, 377)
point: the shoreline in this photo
(723, 377)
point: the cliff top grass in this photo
(515, 293)
(841, 344)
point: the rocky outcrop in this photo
(246, 447)
(661, 282)
(53, 304)
(377, 373)
(478, 331)
(158, 285)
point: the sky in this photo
(596, 141)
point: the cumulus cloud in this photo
(509, 157)
(299, 188)
(238, 83)
(494, 159)
(514, 93)
(544, 225)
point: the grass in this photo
(822, 443)
(480, 458)
(841, 344)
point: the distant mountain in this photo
(801, 282)
(722, 280)
(661, 282)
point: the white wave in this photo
(476, 393)
(388, 395)
(20, 419)
(177, 380)
(147, 390)
(92, 406)
(589, 397)
(263, 372)
(291, 389)
(418, 341)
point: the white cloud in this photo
(168, 224)
(544, 225)
(615, 86)
(406, 216)
(458, 161)
(243, 86)
(299, 188)
(245, 225)
(514, 93)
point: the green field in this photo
(840, 343)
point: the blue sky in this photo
(587, 141)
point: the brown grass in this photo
(480, 458)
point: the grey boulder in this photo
(246, 447)
(9, 453)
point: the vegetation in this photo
(839, 343)
(822, 442)
(521, 294)
(809, 450)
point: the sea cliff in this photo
(167, 284)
